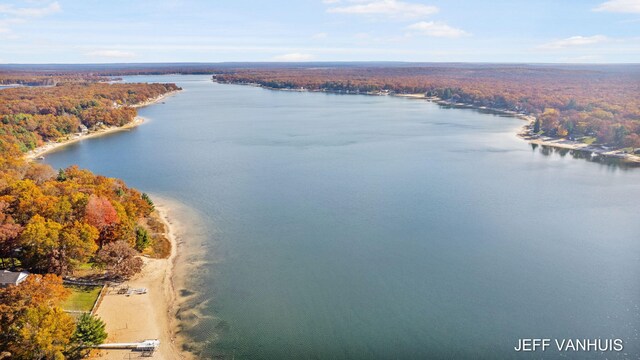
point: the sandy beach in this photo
(139, 317)
(48, 147)
(138, 120)
(155, 100)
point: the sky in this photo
(541, 31)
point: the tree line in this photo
(599, 102)
(31, 116)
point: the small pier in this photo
(147, 347)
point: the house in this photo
(11, 278)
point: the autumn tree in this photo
(39, 240)
(101, 214)
(9, 232)
(632, 140)
(39, 173)
(49, 247)
(32, 325)
(119, 259)
(77, 243)
(42, 332)
(550, 121)
(34, 290)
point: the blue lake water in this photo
(364, 227)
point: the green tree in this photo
(142, 238)
(62, 176)
(90, 331)
(536, 126)
(146, 198)
(620, 132)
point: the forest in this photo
(580, 102)
(54, 223)
(31, 116)
(598, 102)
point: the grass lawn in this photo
(85, 266)
(82, 298)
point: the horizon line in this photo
(317, 62)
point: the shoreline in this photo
(154, 100)
(152, 315)
(525, 133)
(174, 233)
(137, 121)
(51, 146)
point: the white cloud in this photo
(574, 41)
(293, 57)
(319, 36)
(620, 6)
(11, 10)
(390, 8)
(117, 54)
(436, 29)
(11, 15)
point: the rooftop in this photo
(12, 278)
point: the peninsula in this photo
(74, 231)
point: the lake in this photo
(374, 227)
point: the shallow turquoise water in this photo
(362, 227)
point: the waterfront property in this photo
(8, 278)
(82, 299)
(374, 227)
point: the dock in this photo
(147, 347)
